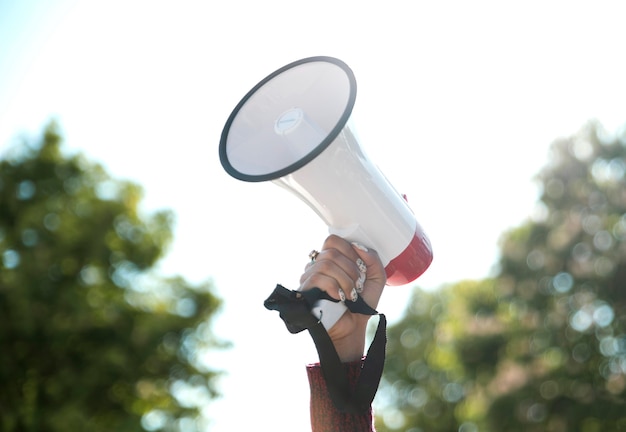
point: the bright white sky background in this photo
(457, 103)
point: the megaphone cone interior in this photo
(288, 119)
(294, 128)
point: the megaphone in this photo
(294, 128)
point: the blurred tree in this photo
(90, 338)
(410, 391)
(542, 345)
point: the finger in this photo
(330, 255)
(332, 272)
(347, 262)
(375, 269)
(376, 277)
(343, 269)
(334, 265)
(339, 244)
(334, 284)
(340, 252)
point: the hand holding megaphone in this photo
(293, 128)
(345, 271)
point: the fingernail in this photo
(360, 283)
(359, 286)
(362, 266)
(354, 295)
(359, 246)
(342, 295)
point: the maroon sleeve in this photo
(324, 416)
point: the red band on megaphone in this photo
(411, 263)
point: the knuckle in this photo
(332, 254)
(324, 266)
(316, 280)
(333, 241)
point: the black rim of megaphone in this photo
(311, 155)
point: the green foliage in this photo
(542, 345)
(90, 339)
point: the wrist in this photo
(350, 348)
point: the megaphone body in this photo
(294, 129)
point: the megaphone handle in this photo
(328, 312)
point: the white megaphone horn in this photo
(293, 129)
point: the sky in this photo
(457, 103)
